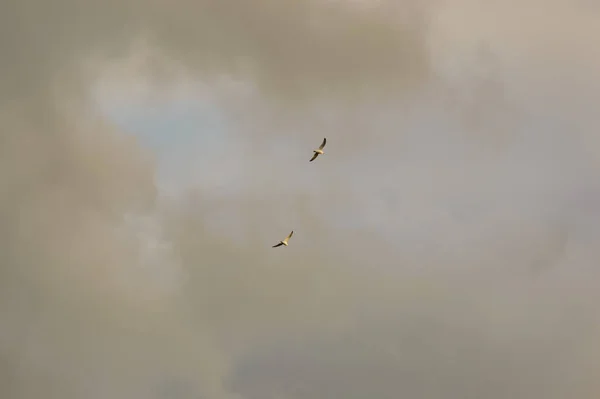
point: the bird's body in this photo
(285, 241)
(319, 151)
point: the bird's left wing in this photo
(323, 143)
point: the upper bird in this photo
(319, 150)
(284, 242)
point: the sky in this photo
(180, 132)
(152, 152)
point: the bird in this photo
(284, 242)
(319, 150)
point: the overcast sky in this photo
(152, 152)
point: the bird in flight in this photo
(284, 242)
(319, 150)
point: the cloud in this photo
(426, 262)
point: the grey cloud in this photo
(449, 310)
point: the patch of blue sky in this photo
(184, 134)
(173, 125)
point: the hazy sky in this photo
(151, 152)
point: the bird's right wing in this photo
(314, 157)
(278, 245)
(323, 143)
(290, 236)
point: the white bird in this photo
(319, 150)
(284, 242)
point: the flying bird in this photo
(284, 242)
(319, 150)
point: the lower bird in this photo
(319, 150)
(284, 242)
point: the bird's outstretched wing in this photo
(314, 157)
(278, 245)
(323, 144)
(290, 236)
